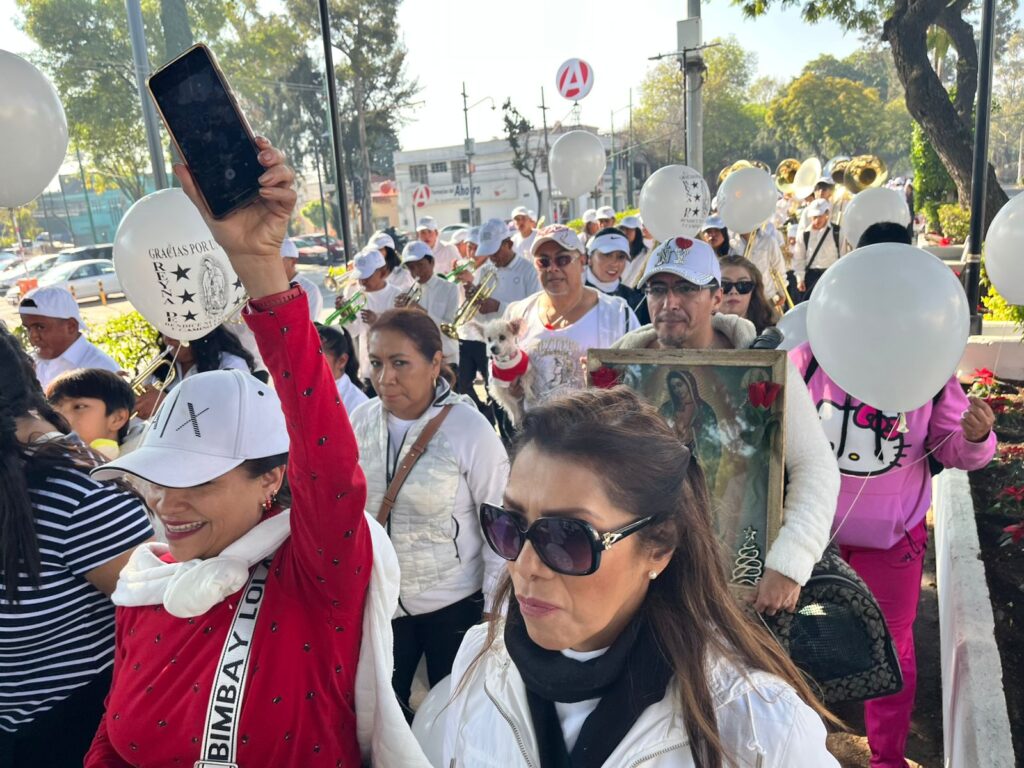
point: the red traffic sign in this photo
(421, 195)
(575, 79)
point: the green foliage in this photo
(127, 338)
(314, 214)
(998, 308)
(26, 224)
(828, 115)
(932, 183)
(577, 224)
(954, 222)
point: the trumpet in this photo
(141, 381)
(348, 311)
(336, 279)
(468, 266)
(467, 311)
(411, 296)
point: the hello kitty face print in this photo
(865, 440)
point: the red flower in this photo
(984, 376)
(1013, 492)
(1016, 531)
(604, 377)
(998, 404)
(762, 394)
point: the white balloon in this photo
(171, 268)
(675, 201)
(1004, 251)
(429, 722)
(33, 131)
(807, 175)
(577, 162)
(873, 206)
(794, 327)
(889, 323)
(746, 199)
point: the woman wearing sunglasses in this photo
(622, 645)
(565, 318)
(743, 293)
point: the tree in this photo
(904, 25)
(527, 146)
(828, 115)
(658, 116)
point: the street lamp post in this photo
(471, 151)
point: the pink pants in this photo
(894, 576)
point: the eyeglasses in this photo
(561, 260)
(566, 545)
(742, 287)
(682, 289)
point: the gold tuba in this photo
(150, 369)
(864, 172)
(785, 173)
(835, 169)
(348, 311)
(730, 169)
(467, 311)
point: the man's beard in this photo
(671, 342)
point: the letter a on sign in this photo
(421, 195)
(575, 79)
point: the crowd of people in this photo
(298, 512)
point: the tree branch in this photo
(961, 33)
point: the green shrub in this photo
(577, 224)
(127, 338)
(954, 222)
(998, 308)
(933, 185)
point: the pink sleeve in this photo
(956, 452)
(331, 540)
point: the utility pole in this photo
(547, 153)
(85, 191)
(1020, 158)
(629, 154)
(615, 165)
(67, 211)
(320, 185)
(689, 42)
(470, 151)
(149, 119)
(979, 173)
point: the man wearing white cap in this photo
(682, 283)
(379, 295)
(817, 248)
(523, 238)
(590, 225)
(461, 241)
(54, 324)
(439, 298)
(606, 216)
(445, 254)
(290, 254)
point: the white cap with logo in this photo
(557, 233)
(520, 210)
(692, 260)
(819, 207)
(608, 241)
(380, 240)
(416, 251)
(366, 262)
(427, 222)
(473, 235)
(51, 301)
(606, 212)
(493, 233)
(208, 425)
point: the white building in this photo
(435, 182)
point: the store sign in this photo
(482, 192)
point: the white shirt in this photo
(378, 302)
(514, 282)
(313, 296)
(522, 244)
(573, 715)
(441, 301)
(351, 395)
(228, 362)
(445, 256)
(81, 354)
(402, 279)
(555, 354)
(827, 254)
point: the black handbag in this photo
(838, 636)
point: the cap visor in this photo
(170, 467)
(694, 277)
(488, 250)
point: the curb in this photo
(975, 724)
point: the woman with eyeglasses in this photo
(566, 318)
(433, 521)
(620, 644)
(743, 293)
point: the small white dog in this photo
(508, 363)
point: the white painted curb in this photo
(975, 725)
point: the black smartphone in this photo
(210, 131)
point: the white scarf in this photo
(609, 286)
(192, 588)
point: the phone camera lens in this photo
(229, 174)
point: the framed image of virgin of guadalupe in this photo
(728, 408)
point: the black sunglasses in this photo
(566, 545)
(743, 287)
(561, 260)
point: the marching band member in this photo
(590, 224)
(445, 254)
(766, 253)
(823, 190)
(372, 275)
(340, 353)
(438, 298)
(290, 254)
(743, 293)
(817, 248)
(461, 242)
(609, 259)
(525, 232)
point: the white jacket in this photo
(488, 723)
(812, 487)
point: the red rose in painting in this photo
(763, 394)
(604, 377)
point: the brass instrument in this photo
(785, 174)
(468, 266)
(348, 311)
(336, 279)
(835, 169)
(762, 165)
(411, 296)
(781, 286)
(467, 311)
(864, 172)
(141, 381)
(730, 169)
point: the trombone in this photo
(781, 286)
(467, 311)
(141, 381)
(348, 311)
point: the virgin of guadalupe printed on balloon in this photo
(728, 408)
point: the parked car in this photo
(85, 252)
(19, 270)
(82, 278)
(449, 230)
(334, 246)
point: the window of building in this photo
(464, 217)
(441, 167)
(418, 173)
(459, 171)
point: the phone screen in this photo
(210, 133)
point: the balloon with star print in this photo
(171, 268)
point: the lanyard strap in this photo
(220, 734)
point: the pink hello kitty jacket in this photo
(886, 467)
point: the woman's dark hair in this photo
(760, 312)
(691, 382)
(113, 390)
(391, 259)
(885, 232)
(636, 245)
(20, 468)
(420, 329)
(207, 350)
(338, 342)
(256, 467)
(645, 470)
(723, 249)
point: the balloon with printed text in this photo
(577, 162)
(172, 270)
(674, 201)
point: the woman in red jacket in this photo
(214, 661)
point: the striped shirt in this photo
(60, 635)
